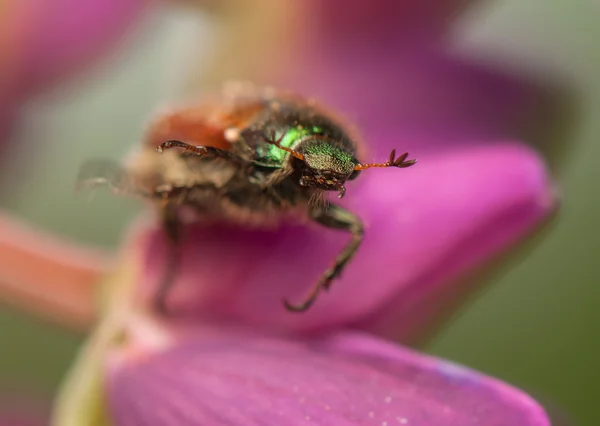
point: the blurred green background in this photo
(537, 327)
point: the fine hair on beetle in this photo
(249, 156)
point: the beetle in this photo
(251, 156)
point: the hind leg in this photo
(170, 198)
(108, 173)
(172, 228)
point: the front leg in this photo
(200, 150)
(337, 218)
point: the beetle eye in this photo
(354, 175)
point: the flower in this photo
(231, 355)
(474, 193)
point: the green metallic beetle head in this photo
(323, 164)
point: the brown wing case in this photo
(204, 124)
(238, 106)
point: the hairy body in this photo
(248, 156)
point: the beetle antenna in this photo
(400, 162)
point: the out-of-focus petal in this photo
(379, 24)
(424, 227)
(383, 63)
(233, 378)
(46, 276)
(359, 58)
(12, 15)
(54, 39)
(422, 95)
(10, 30)
(42, 42)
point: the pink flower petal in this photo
(425, 226)
(340, 23)
(235, 378)
(42, 42)
(418, 92)
(61, 36)
(384, 64)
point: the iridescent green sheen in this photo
(271, 154)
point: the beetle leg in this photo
(337, 218)
(171, 197)
(96, 173)
(199, 150)
(101, 172)
(172, 227)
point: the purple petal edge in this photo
(237, 378)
